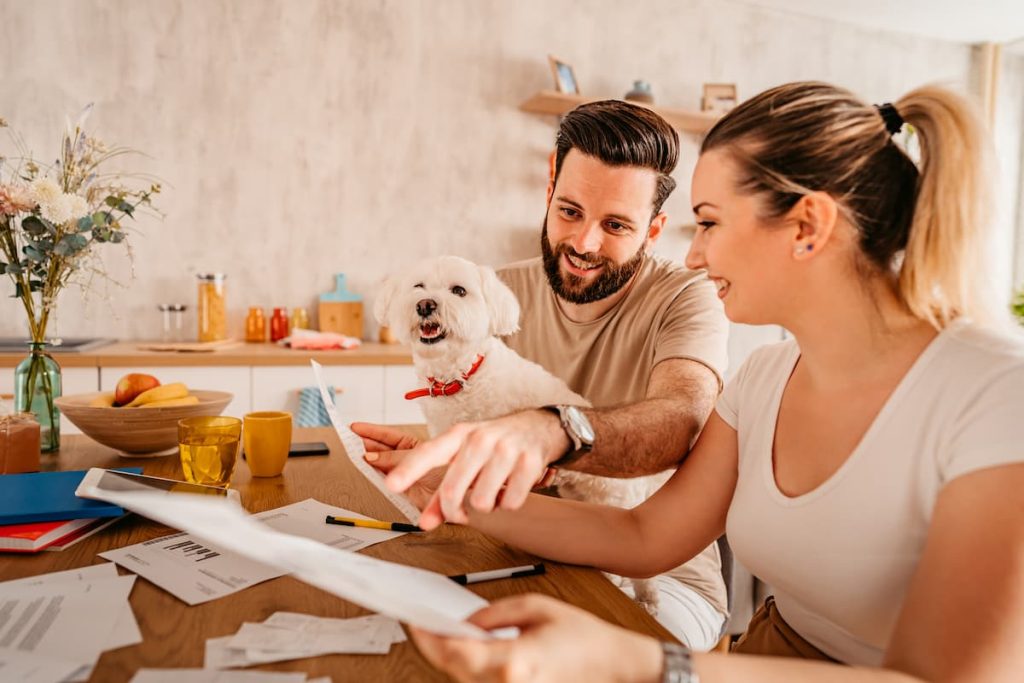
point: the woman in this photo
(870, 470)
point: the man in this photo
(641, 338)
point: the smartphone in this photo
(111, 480)
(310, 448)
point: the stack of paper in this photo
(287, 635)
(57, 625)
(196, 571)
(208, 676)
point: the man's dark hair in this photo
(622, 134)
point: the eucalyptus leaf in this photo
(100, 218)
(85, 223)
(34, 254)
(70, 245)
(126, 207)
(14, 269)
(19, 290)
(34, 225)
(35, 285)
(112, 201)
(117, 237)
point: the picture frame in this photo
(718, 97)
(565, 77)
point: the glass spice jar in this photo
(255, 325)
(279, 324)
(212, 310)
(300, 319)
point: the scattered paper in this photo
(191, 570)
(196, 571)
(287, 635)
(356, 451)
(422, 598)
(211, 676)
(28, 668)
(67, 618)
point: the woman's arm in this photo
(675, 524)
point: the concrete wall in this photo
(297, 139)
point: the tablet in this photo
(98, 479)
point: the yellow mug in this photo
(267, 437)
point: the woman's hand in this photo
(557, 642)
(380, 438)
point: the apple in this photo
(131, 385)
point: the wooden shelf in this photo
(556, 103)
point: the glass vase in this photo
(37, 382)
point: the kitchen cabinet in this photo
(367, 393)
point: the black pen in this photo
(372, 524)
(510, 573)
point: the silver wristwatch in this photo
(677, 666)
(577, 427)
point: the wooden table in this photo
(174, 634)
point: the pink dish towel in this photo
(320, 341)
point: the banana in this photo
(167, 402)
(104, 400)
(160, 393)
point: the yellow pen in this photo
(372, 524)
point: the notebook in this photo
(50, 496)
(35, 536)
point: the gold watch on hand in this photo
(579, 430)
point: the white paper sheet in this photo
(425, 599)
(28, 668)
(190, 569)
(212, 676)
(197, 571)
(307, 519)
(125, 631)
(96, 571)
(288, 635)
(68, 621)
(356, 451)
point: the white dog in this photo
(452, 312)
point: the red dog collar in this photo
(439, 388)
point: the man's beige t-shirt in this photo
(668, 312)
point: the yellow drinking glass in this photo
(268, 438)
(209, 448)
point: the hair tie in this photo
(892, 118)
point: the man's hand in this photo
(556, 642)
(501, 460)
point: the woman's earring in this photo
(798, 251)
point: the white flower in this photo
(79, 207)
(57, 211)
(45, 191)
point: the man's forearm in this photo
(647, 437)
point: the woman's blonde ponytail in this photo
(942, 275)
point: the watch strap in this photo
(576, 450)
(677, 664)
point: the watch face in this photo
(580, 424)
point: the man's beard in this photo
(572, 288)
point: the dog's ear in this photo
(382, 306)
(502, 305)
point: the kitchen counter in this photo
(128, 354)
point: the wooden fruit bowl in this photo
(137, 430)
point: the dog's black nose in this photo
(424, 307)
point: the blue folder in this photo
(50, 496)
